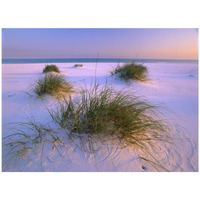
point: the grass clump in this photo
(78, 65)
(51, 84)
(51, 68)
(102, 115)
(131, 71)
(108, 114)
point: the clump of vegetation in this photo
(106, 114)
(51, 68)
(132, 71)
(78, 65)
(51, 84)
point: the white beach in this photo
(172, 85)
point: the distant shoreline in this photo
(92, 60)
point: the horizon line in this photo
(99, 58)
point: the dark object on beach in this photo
(143, 167)
(78, 65)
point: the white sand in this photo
(173, 84)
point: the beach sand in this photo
(173, 85)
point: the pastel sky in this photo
(107, 43)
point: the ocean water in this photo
(91, 60)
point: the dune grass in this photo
(78, 65)
(51, 84)
(105, 114)
(131, 71)
(51, 68)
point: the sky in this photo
(106, 43)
